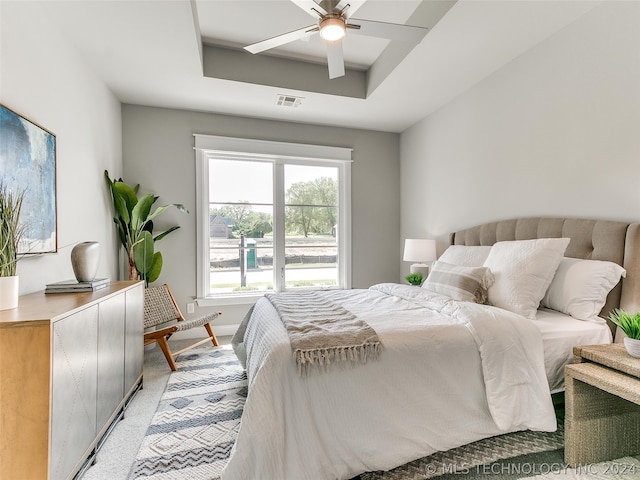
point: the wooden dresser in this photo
(68, 364)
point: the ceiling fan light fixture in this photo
(332, 28)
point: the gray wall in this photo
(44, 79)
(553, 133)
(158, 154)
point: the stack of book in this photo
(73, 286)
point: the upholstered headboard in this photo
(617, 242)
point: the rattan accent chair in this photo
(161, 308)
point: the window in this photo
(271, 217)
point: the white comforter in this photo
(450, 373)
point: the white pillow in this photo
(523, 270)
(580, 287)
(465, 255)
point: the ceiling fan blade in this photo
(335, 59)
(392, 31)
(354, 5)
(308, 6)
(281, 39)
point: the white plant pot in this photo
(9, 287)
(633, 346)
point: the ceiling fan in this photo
(334, 19)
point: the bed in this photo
(560, 333)
(450, 373)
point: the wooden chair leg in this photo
(164, 345)
(214, 339)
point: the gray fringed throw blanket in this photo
(322, 332)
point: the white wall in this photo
(158, 154)
(44, 79)
(555, 132)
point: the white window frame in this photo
(278, 154)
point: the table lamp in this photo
(419, 250)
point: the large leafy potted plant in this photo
(134, 222)
(11, 231)
(630, 325)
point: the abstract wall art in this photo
(28, 163)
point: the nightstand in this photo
(602, 401)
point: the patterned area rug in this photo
(193, 430)
(196, 424)
(626, 468)
(462, 459)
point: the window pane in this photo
(240, 210)
(310, 262)
(236, 269)
(240, 182)
(311, 185)
(311, 219)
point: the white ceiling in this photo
(148, 52)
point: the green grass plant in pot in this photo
(414, 279)
(134, 222)
(630, 325)
(11, 231)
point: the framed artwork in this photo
(28, 163)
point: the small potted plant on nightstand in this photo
(630, 325)
(414, 279)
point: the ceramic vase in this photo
(85, 258)
(633, 346)
(9, 287)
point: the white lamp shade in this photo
(419, 250)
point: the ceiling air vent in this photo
(288, 101)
